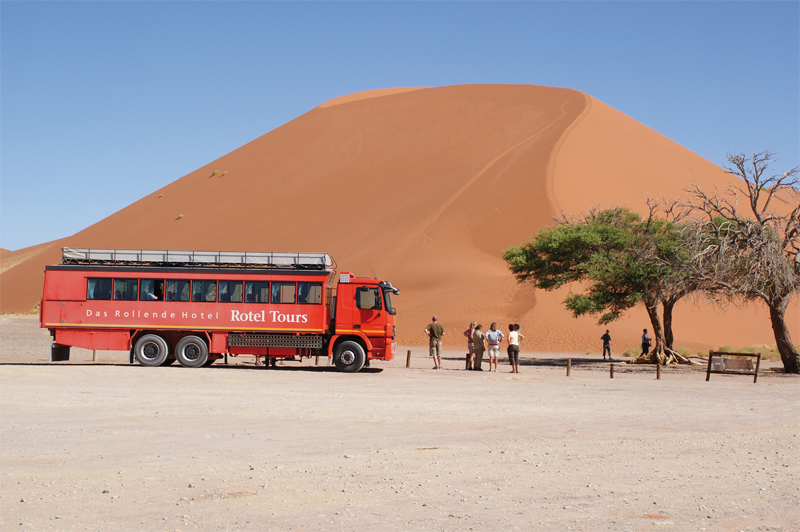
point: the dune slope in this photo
(424, 187)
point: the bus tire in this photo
(349, 357)
(150, 350)
(191, 352)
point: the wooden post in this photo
(611, 371)
(569, 365)
(758, 363)
(408, 359)
(708, 370)
(226, 358)
(658, 371)
(94, 355)
(316, 361)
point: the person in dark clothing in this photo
(645, 343)
(606, 338)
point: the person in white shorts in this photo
(493, 338)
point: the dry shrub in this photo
(684, 351)
(768, 352)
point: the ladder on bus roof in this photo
(219, 259)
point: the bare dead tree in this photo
(738, 254)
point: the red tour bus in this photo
(197, 306)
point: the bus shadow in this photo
(331, 369)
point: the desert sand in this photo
(425, 187)
(107, 446)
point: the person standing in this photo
(645, 343)
(470, 349)
(479, 345)
(493, 338)
(606, 338)
(435, 333)
(514, 338)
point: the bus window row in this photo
(279, 292)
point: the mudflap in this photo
(59, 353)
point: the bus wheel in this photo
(150, 350)
(349, 357)
(191, 352)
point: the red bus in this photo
(197, 306)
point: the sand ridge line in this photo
(366, 95)
(7, 262)
(551, 162)
(427, 235)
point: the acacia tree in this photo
(750, 255)
(622, 259)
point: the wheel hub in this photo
(348, 357)
(191, 352)
(150, 350)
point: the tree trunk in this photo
(658, 330)
(668, 337)
(789, 356)
(662, 353)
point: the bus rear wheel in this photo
(191, 352)
(349, 357)
(150, 350)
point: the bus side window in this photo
(197, 290)
(309, 293)
(283, 292)
(151, 290)
(204, 291)
(210, 291)
(256, 292)
(126, 289)
(230, 292)
(235, 288)
(177, 290)
(98, 289)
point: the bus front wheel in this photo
(349, 357)
(191, 352)
(150, 350)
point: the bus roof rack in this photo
(205, 259)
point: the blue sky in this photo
(103, 102)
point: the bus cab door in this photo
(368, 312)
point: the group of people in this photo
(478, 343)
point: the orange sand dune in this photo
(424, 187)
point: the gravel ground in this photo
(108, 446)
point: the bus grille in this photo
(274, 340)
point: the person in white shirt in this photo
(513, 347)
(493, 338)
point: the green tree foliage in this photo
(620, 259)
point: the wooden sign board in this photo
(733, 363)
